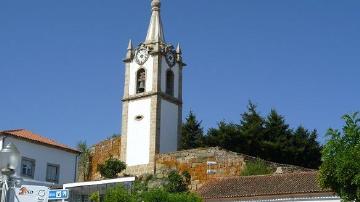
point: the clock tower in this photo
(152, 102)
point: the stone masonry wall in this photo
(195, 162)
(101, 152)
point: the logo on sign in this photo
(25, 191)
(29, 193)
(58, 194)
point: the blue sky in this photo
(62, 72)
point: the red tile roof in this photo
(262, 186)
(29, 136)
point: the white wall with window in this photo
(43, 163)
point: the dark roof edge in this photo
(324, 193)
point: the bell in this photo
(141, 87)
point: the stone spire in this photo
(178, 49)
(179, 58)
(129, 52)
(155, 32)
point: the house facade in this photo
(43, 161)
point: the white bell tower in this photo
(152, 102)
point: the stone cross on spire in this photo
(155, 32)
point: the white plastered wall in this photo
(44, 155)
(175, 70)
(169, 127)
(134, 67)
(1, 142)
(138, 133)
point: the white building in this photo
(43, 160)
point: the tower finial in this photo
(155, 4)
(155, 32)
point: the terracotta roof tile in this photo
(28, 135)
(265, 185)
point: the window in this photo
(170, 83)
(52, 173)
(140, 80)
(27, 167)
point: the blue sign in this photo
(58, 194)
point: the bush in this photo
(95, 197)
(119, 194)
(160, 195)
(111, 168)
(257, 167)
(178, 183)
(156, 195)
(185, 197)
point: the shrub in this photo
(111, 168)
(257, 167)
(161, 195)
(119, 194)
(95, 197)
(177, 183)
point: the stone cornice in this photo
(149, 94)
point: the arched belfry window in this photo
(140, 80)
(170, 83)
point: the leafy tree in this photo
(340, 168)
(257, 167)
(84, 160)
(111, 168)
(177, 183)
(192, 133)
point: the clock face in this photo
(170, 59)
(141, 56)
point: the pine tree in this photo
(226, 136)
(276, 137)
(192, 133)
(305, 150)
(269, 138)
(252, 131)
